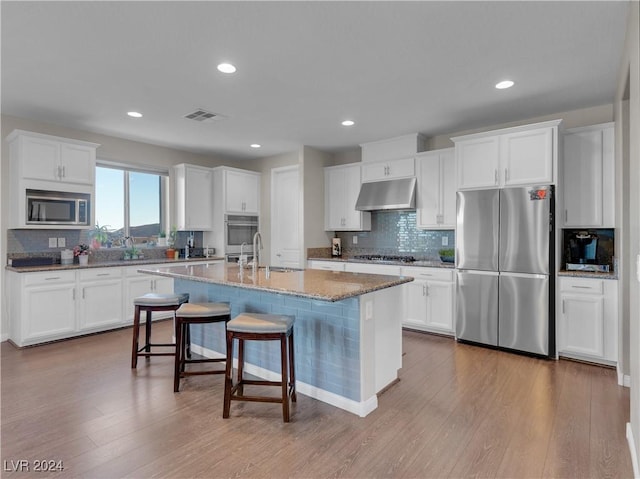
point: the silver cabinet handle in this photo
(426, 289)
(103, 274)
(74, 294)
(566, 215)
(580, 287)
(495, 176)
(52, 278)
(563, 306)
(64, 171)
(83, 293)
(506, 175)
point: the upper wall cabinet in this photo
(588, 176)
(39, 157)
(193, 198)
(525, 155)
(393, 148)
(436, 195)
(388, 170)
(240, 190)
(341, 189)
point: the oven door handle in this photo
(229, 223)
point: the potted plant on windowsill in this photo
(99, 235)
(162, 239)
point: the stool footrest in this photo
(155, 354)
(200, 373)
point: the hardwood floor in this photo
(457, 411)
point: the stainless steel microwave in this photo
(57, 208)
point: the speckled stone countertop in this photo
(350, 259)
(107, 264)
(587, 274)
(308, 283)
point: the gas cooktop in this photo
(384, 257)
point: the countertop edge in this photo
(107, 264)
(414, 264)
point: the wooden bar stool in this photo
(260, 327)
(151, 302)
(195, 313)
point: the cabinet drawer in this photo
(48, 277)
(429, 274)
(99, 273)
(327, 265)
(581, 285)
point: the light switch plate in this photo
(354, 239)
(62, 242)
(445, 241)
(53, 242)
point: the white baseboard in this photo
(623, 379)
(360, 408)
(633, 450)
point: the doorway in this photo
(285, 217)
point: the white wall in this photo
(627, 117)
(314, 162)
(114, 149)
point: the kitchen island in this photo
(348, 332)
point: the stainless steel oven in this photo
(239, 229)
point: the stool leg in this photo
(136, 334)
(178, 361)
(284, 377)
(292, 370)
(240, 366)
(228, 376)
(188, 340)
(147, 335)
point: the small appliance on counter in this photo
(336, 247)
(584, 251)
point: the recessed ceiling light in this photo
(348, 123)
(134, 114)
(504, 84)
(255, 145)
(226, 68)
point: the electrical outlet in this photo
(445, 241)
(354, 240)
(62, 242)
(53, 242)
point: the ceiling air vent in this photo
(203, 115)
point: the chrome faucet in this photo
(241, 261)
(257, 246)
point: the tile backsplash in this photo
(395, 232)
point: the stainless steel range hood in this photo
(387, 195)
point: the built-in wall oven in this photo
(239, 229)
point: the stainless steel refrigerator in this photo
(504, 257)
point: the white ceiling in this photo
(393, 67)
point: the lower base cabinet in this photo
(588, 319)
(428, 300)
(52, 305)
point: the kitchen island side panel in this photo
(327, 335)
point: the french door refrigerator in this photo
(504, 257)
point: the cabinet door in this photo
(77, 164)
(526, 157)
(375, 171)
(49, 311)
(428, 195)
(415, 305)
(582, 325)
(388, 170)
(353, 217)
(40, 159)
(242, 192)
(100, 304)
(335, 189)
(199, 199)
(448, 190)
(477, 162)
(439, 306)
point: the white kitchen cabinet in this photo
(388, 170)
(436, 195)
(342, 186)
(326, 265)
(193, 197)
(241, 191)
(393, 148)
(99, 298)
(49, 158)
(42, 306)
(589, 177)
(368, 268)
(588, 319)
(428, 299)
(137, 284)
(525, 155)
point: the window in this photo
(131, 203)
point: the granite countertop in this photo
(421, 263)
(107, 264)
(587, 274)
(308, 283)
